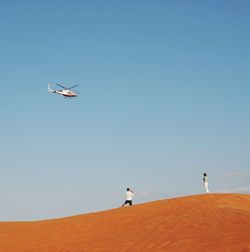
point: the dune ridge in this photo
(208, 222)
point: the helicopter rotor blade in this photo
(73, 87)
(62, 86)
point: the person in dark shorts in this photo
(129, 197)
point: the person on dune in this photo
(205, 182)
(129, 197)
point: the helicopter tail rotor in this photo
(50, 90)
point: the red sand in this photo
(211, 222)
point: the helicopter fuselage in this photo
(66, 93)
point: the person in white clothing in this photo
(129, 197)
(205, 182)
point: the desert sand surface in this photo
(211, 222)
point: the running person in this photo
(129, 197)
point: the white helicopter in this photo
(66, 92)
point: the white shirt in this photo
(129, 195)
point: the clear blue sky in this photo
(164, 96)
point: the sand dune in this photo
(212, 222)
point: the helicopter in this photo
(66, 92)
